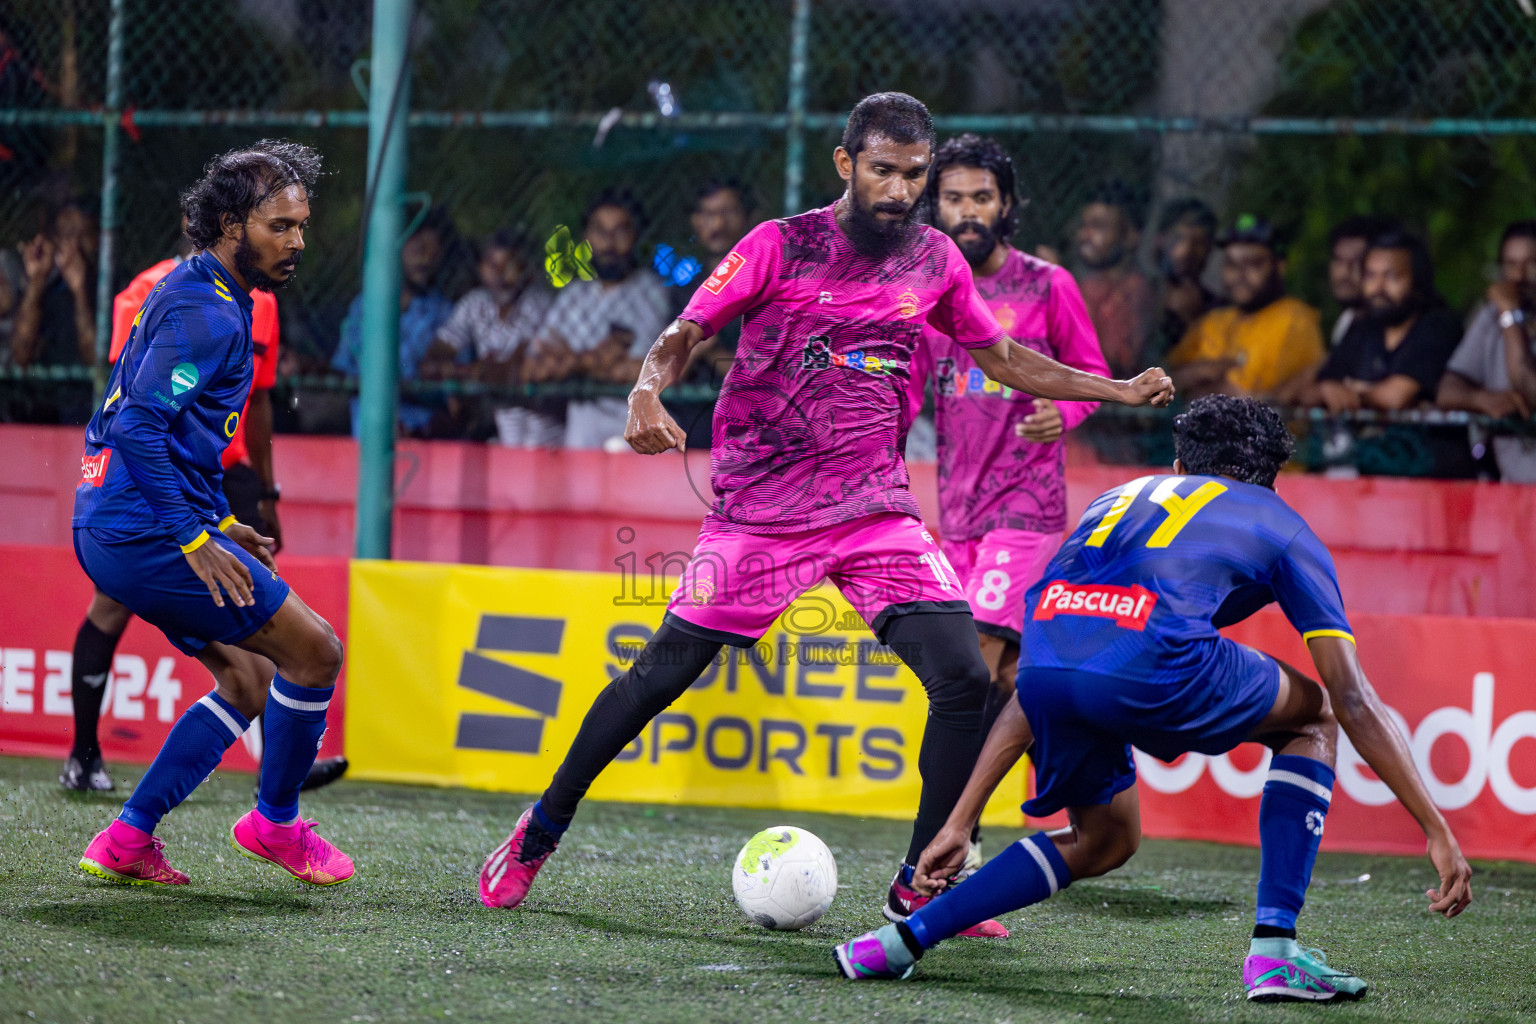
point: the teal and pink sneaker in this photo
(131, 856)
(298, 849)
(510, 869)
(875, 955)
(1279, 970)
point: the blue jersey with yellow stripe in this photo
(172, 405)
(1157, 566)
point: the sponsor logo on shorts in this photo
(183, 378)
(1130, 607)
(93, 468)
(724, 272)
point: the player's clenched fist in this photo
(1151, 387)
(651, 429)
(219, 567)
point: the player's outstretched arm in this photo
(1364, 720)
(651, 429)
(1006, 743)
(1035, 373)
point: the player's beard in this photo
(976, 250)
(874, 238)
(245, 263)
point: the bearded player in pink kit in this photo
(807, 465)
(1001, 460)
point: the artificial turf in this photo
(633, 920)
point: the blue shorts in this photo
(150, 576)
(1086, 723)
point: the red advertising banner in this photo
(42, 601)
(1463, 693)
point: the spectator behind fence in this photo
(1478, 376)
(423, 310)
(719, 219)
(1265, 340)
(494, 324)
(602, 329)
(1347, 243)
(1185, 237)
(1118, 295)
(1395, 351)
(52, 283)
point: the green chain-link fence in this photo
(1302, 110)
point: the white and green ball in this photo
(784, 878)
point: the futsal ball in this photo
(784, 878)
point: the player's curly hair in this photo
(1237, 437)
(893, 115)
(984, 154)
(241, 180)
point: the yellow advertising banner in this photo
(480, 677)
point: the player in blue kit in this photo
(1120, 648)
(153, 530)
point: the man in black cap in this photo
(1264, 339)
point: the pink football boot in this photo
(122, 853)
(509, 870)
(297, 849)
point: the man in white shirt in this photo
(493, 325)
(602, 329)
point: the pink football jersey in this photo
(811, 424)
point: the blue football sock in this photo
(552, 827)
(294, 722)
(1029, 871)
(191, 752)
(1297, 792)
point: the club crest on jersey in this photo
(906, 305)
(1130, 607)
(183, 378)
(724, 272)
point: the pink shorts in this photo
(996, 568)
(886, 565)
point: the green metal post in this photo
(107, 258)
(379, 360)
(794, 134)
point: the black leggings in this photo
(941, 648)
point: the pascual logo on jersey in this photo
(1130, 607)
(906, 305)
(183, 378)
(93, 468)
(724, 272)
